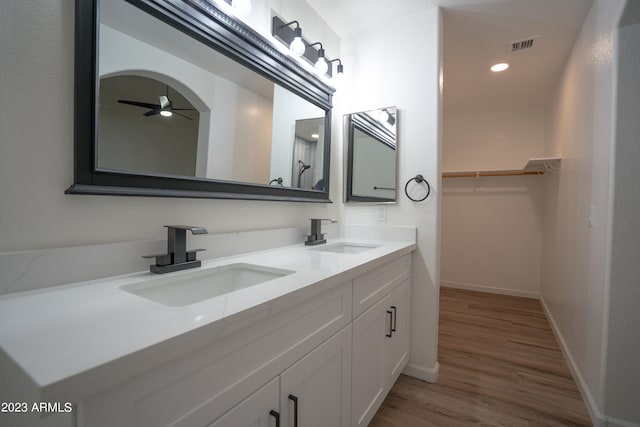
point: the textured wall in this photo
(622, 380)
(577, 220)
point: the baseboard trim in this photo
(426, 374)
(598, 418)
(489, 289)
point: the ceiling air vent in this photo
(520, 45)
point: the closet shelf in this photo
(535, 166)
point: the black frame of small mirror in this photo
(351, 126)
(206, 23)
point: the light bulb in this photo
(297, 46)
(242, 7)
(166, 113)
(322, 66)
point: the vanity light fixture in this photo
(338, 76)
(321, 63)
(296, 46)
(501, 66)
(340, 70)
(282, 30)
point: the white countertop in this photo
(69, 342)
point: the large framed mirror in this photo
(372, 156)
(175, 98)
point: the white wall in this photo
(492, 140)
(622, 380)
(492, 234)
(36, 160)
(492, 226)
(574, 288)
(384, 71)
(247, 159)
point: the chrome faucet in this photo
(317, 237)
(177, 257)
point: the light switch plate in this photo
(382, 213)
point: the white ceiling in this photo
(476, 34)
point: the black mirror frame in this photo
(206, 23)
(352, 125)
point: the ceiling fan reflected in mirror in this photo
(164, 107)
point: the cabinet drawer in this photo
(199, 388)
(371, 287)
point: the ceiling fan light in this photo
(496, 68)
(166, 113)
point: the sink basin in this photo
(345, 248)
(189, 288)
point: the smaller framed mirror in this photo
(372, 156)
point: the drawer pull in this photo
(295, 409)
(390, 334)
(395, 318)
(276, 415)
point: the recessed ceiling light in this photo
(499, 67)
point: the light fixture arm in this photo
(320, 51)
(289, 23)
(340, 66)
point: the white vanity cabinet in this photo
(323, 355)
(304, 350)
(314, 392)
(260, 409)
(380, 336)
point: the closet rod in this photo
(488, 173)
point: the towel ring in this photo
(418, 179)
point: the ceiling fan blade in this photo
(181, 115)
(183, 109)
(152, 113)
(139, 104)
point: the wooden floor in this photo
(500, 365)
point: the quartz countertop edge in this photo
(73, 341)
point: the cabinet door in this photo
(255, 410)
(317, 389)
(370, 332)
(396, 352)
